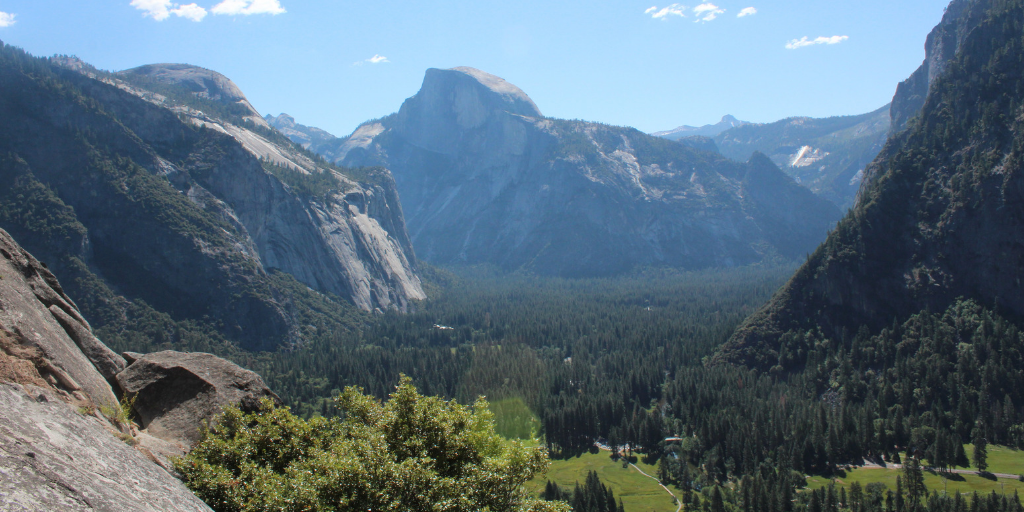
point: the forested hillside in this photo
(899, 334)
(939, 219)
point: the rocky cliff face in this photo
(941, 218)
(484, 178)
(57, 452)
(827, 156)
(189, 212)
(940, 48)
(351, 241)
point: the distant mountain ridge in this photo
(485, 178)
(312, 138)
(708, 130)
(826, 155)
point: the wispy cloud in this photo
(376, 59)
(248, 7)
(707, 12)
(6, 19)
(805, 41)
(160, 10)
(749, 11)
(665, 12)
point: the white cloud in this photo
(804, 41)
(749, 11)
(665, 12)
(376, 59)
(160, 10)
(707, 12)
(6, 19)
(248, 7)
(190, 11)
(651, 9)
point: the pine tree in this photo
(899, 494)
(856, 496)
(717, 503)
(961, 454)
(980, 451)
(914, 482)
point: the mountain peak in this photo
(496, 91)
(201, 81)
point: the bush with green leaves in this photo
(410, 453)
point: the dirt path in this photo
(925, 468)
(670, 493)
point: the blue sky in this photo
(641, 63)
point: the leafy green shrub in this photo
(120, 414)
(410, 453)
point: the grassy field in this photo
(638, 493)
(934, 481)
(514, 420)
(1000, 460)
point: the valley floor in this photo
(1004, 466)
(638, 491)
(642, 493)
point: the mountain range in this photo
(827, 155)
(485, 178)
(708, 130)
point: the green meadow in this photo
(1000, 460)
(638, 493)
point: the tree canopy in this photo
(409, 453)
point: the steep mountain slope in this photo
(176, 211)
(708, 130)
(826, 155)
(348, 239)
(940, 213)
(485, 178)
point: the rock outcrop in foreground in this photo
(485, 178)
(65, 441)
(53, 457)
(176, 393)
